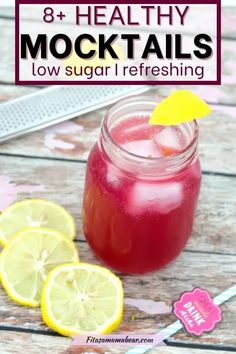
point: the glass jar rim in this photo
(152, 100)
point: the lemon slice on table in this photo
(181, 106)
(81, 298)
(35, 213)
(28, 258)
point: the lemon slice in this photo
(28, 258)
(81, 298)
(35, 213)
(181, 106)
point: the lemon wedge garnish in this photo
(181, 106)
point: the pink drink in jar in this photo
(141, 190)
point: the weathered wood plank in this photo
(224, 94)
(217, 139)
(7, 66)
(11, 342)
(215, 224)
(172, 350)
(214, 231)
(228, 22)
(212, 272)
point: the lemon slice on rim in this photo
(28, 258)
(181, 106)
(35, 213)
(81, 298)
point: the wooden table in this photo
(209, 260)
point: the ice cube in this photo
(112, 176)
(145, 148)
(162, 197)
(132, 129)
(169, 140)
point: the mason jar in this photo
(141, 189)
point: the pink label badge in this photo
(197, 311)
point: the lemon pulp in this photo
(81, 298)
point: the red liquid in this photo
(133, 224)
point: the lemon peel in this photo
(81, 298)
(181, 106)
(28, 258)
(35, 213)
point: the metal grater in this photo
(56, 104)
